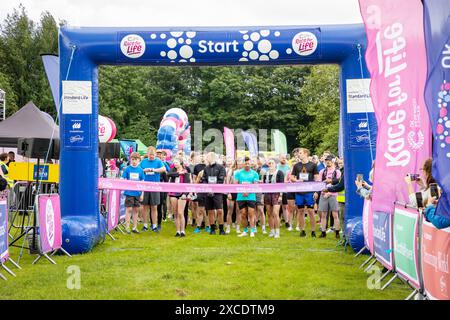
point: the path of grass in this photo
(160, 266)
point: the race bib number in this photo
(150, 173)
(212, 179)
(134, 176)
(304, 176)
(177, 180)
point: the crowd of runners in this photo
(243, 214)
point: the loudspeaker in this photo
(109, 150)
(38, 148)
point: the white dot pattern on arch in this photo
(256, 47)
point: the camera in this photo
(414, 176)
(359, 177)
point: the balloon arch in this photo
(82, 50)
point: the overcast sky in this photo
(190, 13)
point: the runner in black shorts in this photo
(214, 173)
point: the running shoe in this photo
(243, 234)
(207, 229)
(271, 234)
(135, 231)
(182, 235)
(302, 233)
(323, 235)
(197, 230)
(177, 235)
(212, 232)
(297, 228)
(128, 230)
(289, 229)
(287, 225)
(222, 233)
(313, 234)
(252, 234)
(228, 230)
(277, 236)
(144, 229)
(155, 230)
(245, 230)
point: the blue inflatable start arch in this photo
(82, 50)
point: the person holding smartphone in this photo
(424, 181)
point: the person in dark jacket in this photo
(179, 174)
(214, 173)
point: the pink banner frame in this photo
(113, 209)
(49, 217)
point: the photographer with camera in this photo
(362, 187)
(426, 183)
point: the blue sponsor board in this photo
(77, 131)
(363, 130)
(246, 45)
(43, 172)
(382, 238)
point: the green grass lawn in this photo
(160, 266)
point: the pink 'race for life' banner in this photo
(368, 225)
(113, 209)
(435, 261)
(123, 184)
(228, 136)
(50, 236)
(396, 60)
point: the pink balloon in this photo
(439, 128)
(113, 131)
(443, 112)
(447, 139)
(106, 129)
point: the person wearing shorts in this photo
(328, 200)
(214, 173)
(247, 201)
(284, 167)
(133, 198)
(152, 167)
(273, 200)
(305, 171)
(199, 202)
(231, 197)
(179, 174)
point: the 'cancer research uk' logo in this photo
(304, 43)
(132, 46)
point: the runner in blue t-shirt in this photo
(247, 201)
(133, 199)
(152, 167)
